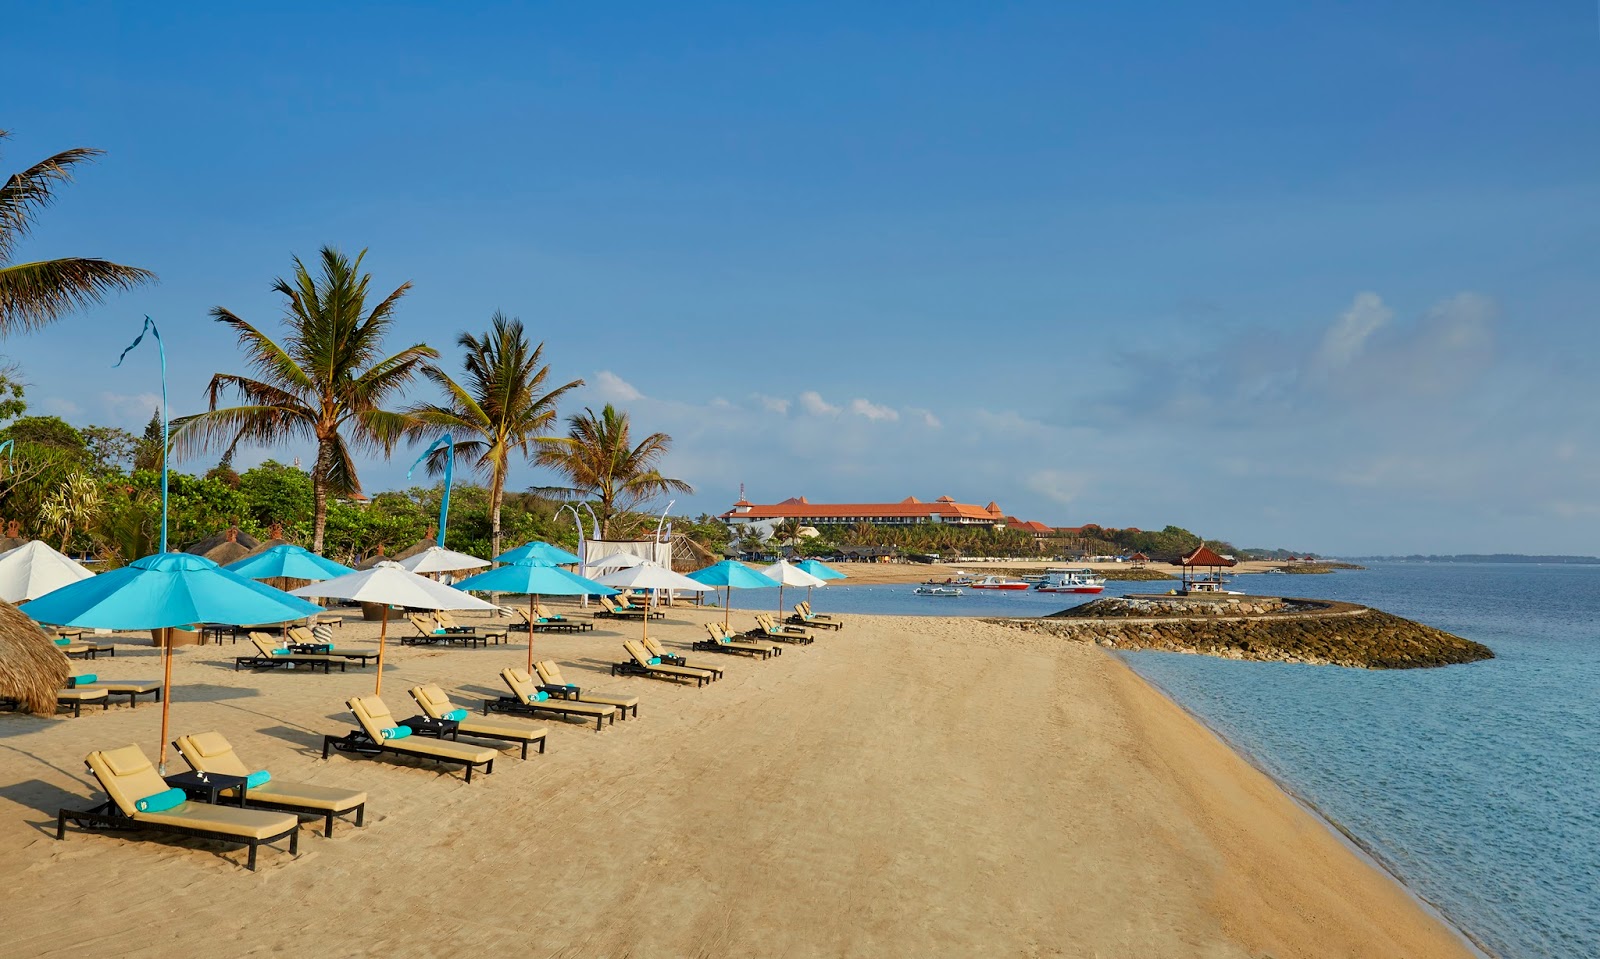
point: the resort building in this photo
(908, 511)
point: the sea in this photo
(1478, 786)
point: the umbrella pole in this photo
(166, 693)
(383, 635)
(531, 600)
(780, 600)
(726, 608)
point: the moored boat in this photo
(1071, 582)
(926, 590)
(998, 582)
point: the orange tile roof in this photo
(908, 507)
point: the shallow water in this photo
(1478, 785)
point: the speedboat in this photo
(1071, 582)
(937, 591)
(998, 582)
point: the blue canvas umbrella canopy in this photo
(163, 591)
(820, 570)
(288, 561)
(538, 552)
(731, 575)
(534, 579)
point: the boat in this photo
(960, 580)
(1072, 581)
(926, 590)
(998, 582)
(1213, 587)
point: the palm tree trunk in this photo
(497, 492)
(319, 500)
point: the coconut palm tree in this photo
(502, 406)
(37, 293)
(326, 383)
(599, 459)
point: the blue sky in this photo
(1319, 275)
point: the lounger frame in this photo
(357, 741)
(511, 704)
(108, 815)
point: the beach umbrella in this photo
(390, 584)
(33, 569)
(285, 562)
(731, 575)
(652, 576)
(820, 570)
(437, 559)
(161, 592)
(535, 580)
(612, 561)
(538, 552)
(788, 574)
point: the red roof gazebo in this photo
(1203, 558)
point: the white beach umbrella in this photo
(622, 560)
(34, 569)
(390, 584)
(437, 559)
(788, 574)
(651, 576)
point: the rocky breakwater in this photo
(1265, 628)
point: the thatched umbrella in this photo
(232, 534)
(32, 668)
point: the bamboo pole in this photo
(383, 636)
(531, 599)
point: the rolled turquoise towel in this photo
(655, 660)
(439, 632)
(63, 641)
(257, 778)
(396, 732)
(161, 801)
(456, 715)
(541, 696)
(280, 652)
(84, 680)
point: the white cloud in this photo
(812, 402)
(134, 408)
(773, 404)
(873, 411)
(1348, 335)
(1060, 486)
(614, 389)
(61, 407)
(928, 419)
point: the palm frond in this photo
(265, 355)
(34, 294)
(237, 425)
(25, 194)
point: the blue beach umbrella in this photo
(534, 579)
(820, 570)
(731, 575)
(161, 592)
(287, 561)
(537, 552)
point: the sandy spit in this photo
(906, 787)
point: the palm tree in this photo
(74, 506)
(327, 383)
(35, 294)
(502, 406)
(599, 460)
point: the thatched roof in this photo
(407, 553)
(11, 542)
(232, 534)
(226, 552)
(31, 667)
(268, 544)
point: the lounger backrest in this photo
(805, 607)
(302, 634)
(542, 612)
(373, 715)
(445, 619)
(432, 699)
(550, 672)
(654, 648)
(262, 643)
(521, 683)
(764, 621)
(517, 612)
(424, 626)
(211, 753)
(126, 774)
(639, 653)
(715, 629)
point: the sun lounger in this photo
(490, 633)
(805, 607)
(724, 642)
(552, 682)
(128, 778)
(526, 698)
(658, 651)
(803, 618)
(544, 613)
(430, 633)
(211, 754)
(767, 629)
(74, 638)
(436, 704)
(639, 663)
(73, 699)
(130, 688)
(610, 607)
(544, 624)
(269, 656)
(374, 718)
(303, 636)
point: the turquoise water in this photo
(1478, 785)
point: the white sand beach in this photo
(905, 787)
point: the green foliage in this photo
(275, 494)
(12, 403)
(111, 450)
(46, 431)
(147, 454)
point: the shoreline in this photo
(1336, 829)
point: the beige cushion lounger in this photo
(127, 776)
(525, 699)
(267, 655)
(374, 717)
(639, 664)
(550, 675)
(435, 703)
(723, 641)
(659, 651)
(211, 753)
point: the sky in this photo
(1317, 275)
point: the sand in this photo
(907, 787)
